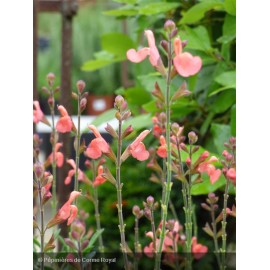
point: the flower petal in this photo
(64, 124)
(137, 56)
(186, 64)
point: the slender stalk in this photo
(80, 255)
(189, 215)
(214, 226)
(97, 216)
(136, 244)
(54, 201)
(172, 208)
(175, 250)
(42, 225)
(119, 197)
(153, 228)
(168, 184)
(78, 139)
(224, 223)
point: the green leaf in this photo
(117, 44)
(229, 29)
(97, 64)
(126, 1)
(206, 123)
(137, 95)
(221, 89)
(223, 101)
(139, 122)
(104, 118)
(221, 134)
(206, 186)
(150, 107)
(230, 6)
(156, 8)
(227, 78)
(198, 38)
(123, 11)
(196, 12)
(93, 240)
(233, 120)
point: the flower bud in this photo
(83, 103)
(184, 43)
(80, 85)
(229, 157)
(50, 78)
(120, 103)
(192, 137)
(136, 210)
(70, 243)
(175, 128)
(126, 115)
(169, 26)
(205, 206)
(111, 131)
(127, 131)
(39, 170)
(84, 244)
(183, 147)
(164, 45)
(188, 162)
(162, 118)
(147, 213)
(51, 101)
(118, 116)
(150, 200)
(45, 90)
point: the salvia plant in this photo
(176, 158)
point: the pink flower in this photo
(66, 212)
(97, 146)
(210, 169)
(64, 123)
(185, 64)
(162, 151)
(99, 179)
(231, 175)
(137, 148)
(37, 113)
(149, 250)
(151, 51)
(198, 250)
(81, 176)
(59, 157)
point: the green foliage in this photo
(197, 12)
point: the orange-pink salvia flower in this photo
(137, 148)
(66, 212)
(210, 169)
(162, 151)
(64, 123)
(59, 157)
(37, 113)
(99, 179)
(198, 250)
(151, 51)
(81, 176)
(97, 146)
(185, 63)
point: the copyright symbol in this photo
(39, 259)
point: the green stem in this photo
(175, 250)
(54, 201)
(214, 226)
(153, 229)
(80, 255)
(136, 244)
(168, 184)
(97, 216)
(224, 223)
(119, 197)
(189, 215)
(42, 224)
(78, 139)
